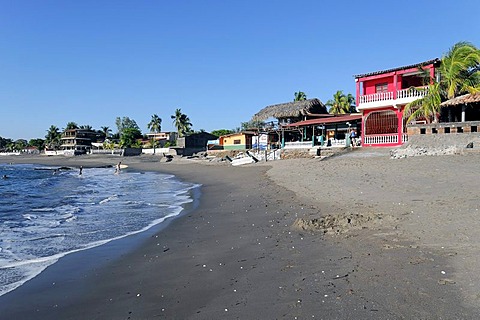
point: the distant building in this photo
(31, 150)
(78, 141)
(192, 143)
(382, 96)
(162, 137)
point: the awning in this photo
(320, 121)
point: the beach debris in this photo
(446, 281)
(343, 222)
(242, 158)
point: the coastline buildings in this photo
(381, 97)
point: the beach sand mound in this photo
(337, 224)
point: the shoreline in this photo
(237, 255)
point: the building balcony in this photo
(386, 99)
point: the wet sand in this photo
(271, 241)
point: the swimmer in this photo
(117, 167)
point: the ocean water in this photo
(45, 215)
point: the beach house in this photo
(161, 138)
(288, 113)
(192, 143)
(78, 141)
(237, 140)
(381, 97)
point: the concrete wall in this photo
(444, 128)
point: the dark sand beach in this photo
(353, 237)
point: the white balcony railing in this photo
(381, 139)
(412, 93)
(401, 94)
(381, 96)
(384, 139)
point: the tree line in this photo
(128, 133)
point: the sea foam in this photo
(66, 214)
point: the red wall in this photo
(369, 85)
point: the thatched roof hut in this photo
(462, 100)
(295, 109)
(461, 108)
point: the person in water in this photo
(81, 169)
(118, 167)
(4, 177)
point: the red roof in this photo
(338, 119)
(421, 64)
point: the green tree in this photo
(71, 125)
(85, 127)
(10, 146)
(341, 103)
(428, 107)
(459, 70)
(182, 122)
(351, 103)
(106, 131)
(459, 74)
(4, 142)
(221, 132)
(252, 125)
(39, 143)
(129, 137)
(20, 144)
(300, 96)
(124, 123)
(155, 124)
(52, 139)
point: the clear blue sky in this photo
(220, 61)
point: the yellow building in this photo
(237, 141)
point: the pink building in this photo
(382, 96)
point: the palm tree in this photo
(351, 102)
(155, 125)
(71, 125)
(459, 74)
(182, 122)
(459, 70)
(427, 107)
(340, 103)
(86, 127)
(52, 139)
(300, 96)
(106, 131)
